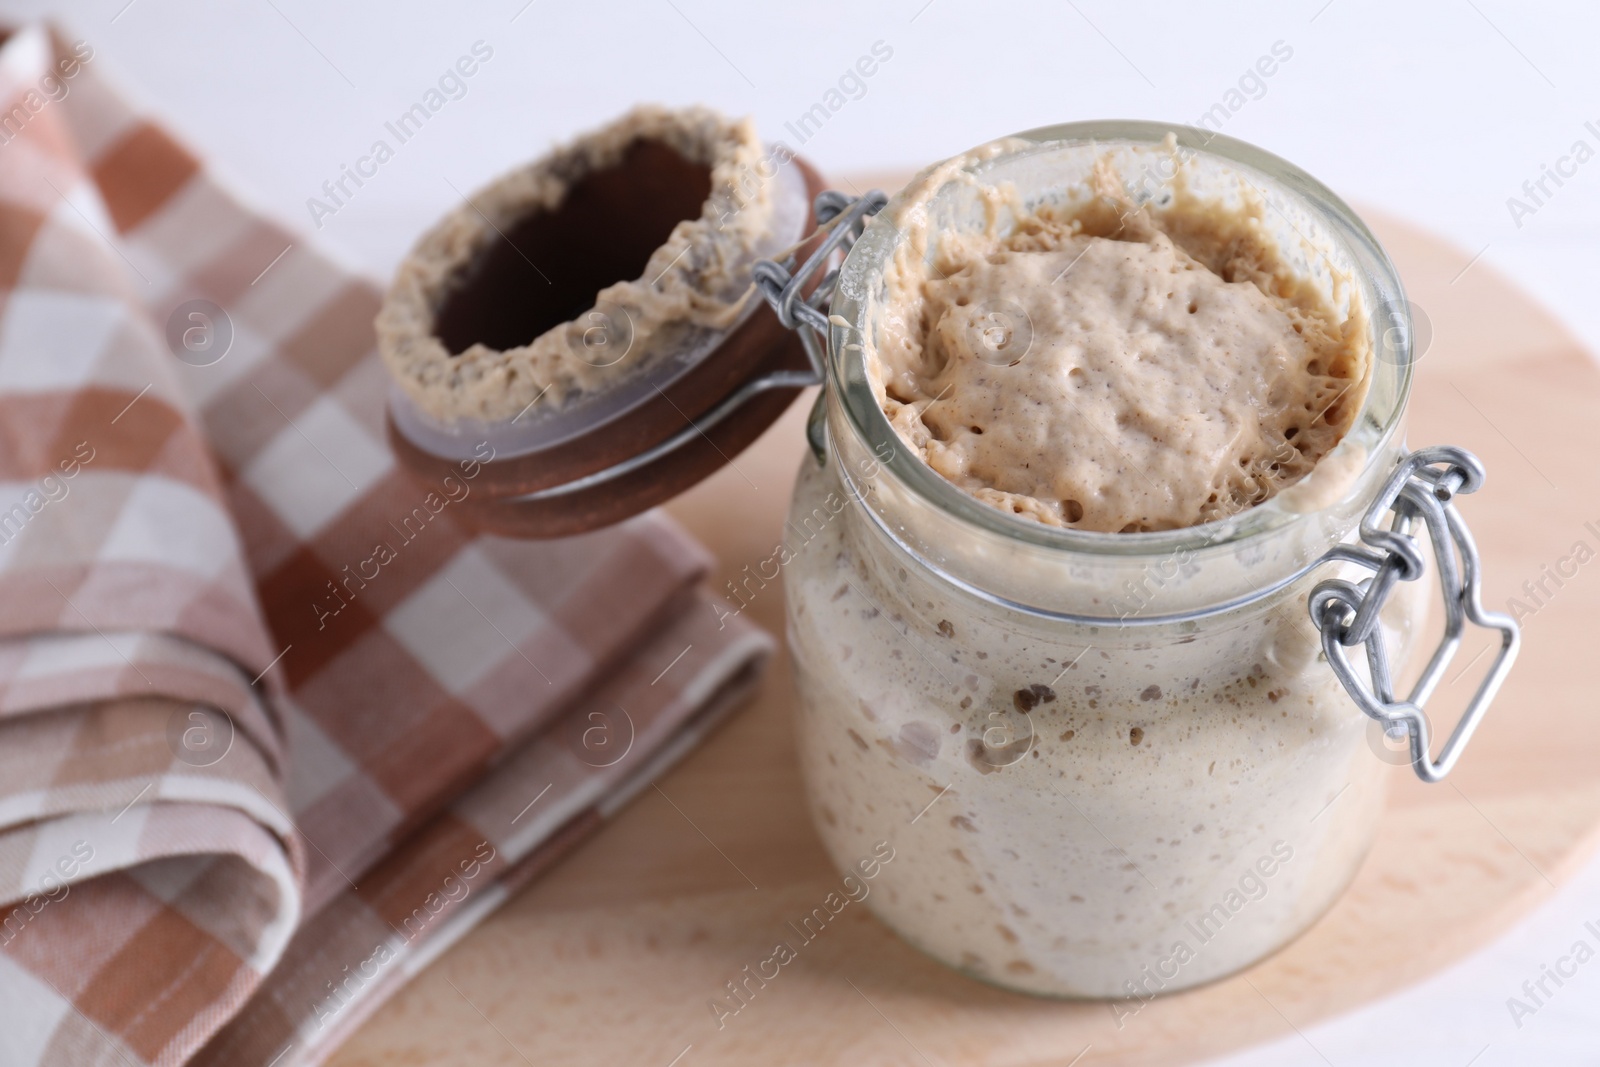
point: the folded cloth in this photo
(275, 727)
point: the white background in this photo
(1437, 112)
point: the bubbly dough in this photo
(1118, 369)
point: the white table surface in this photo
(1437, 112)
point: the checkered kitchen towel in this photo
(274, 728)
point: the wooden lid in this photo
(757, 345)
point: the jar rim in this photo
(1374, 428)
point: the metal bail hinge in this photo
(1422, 487)
(782, 284)
(842, 220)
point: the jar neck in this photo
(1023, 566)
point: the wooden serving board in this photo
(613, 957)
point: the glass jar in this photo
(1105, 765)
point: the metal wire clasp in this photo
(782, 284)
(1422, 487)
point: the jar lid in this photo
(634, 395)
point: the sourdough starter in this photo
(1088, 810)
